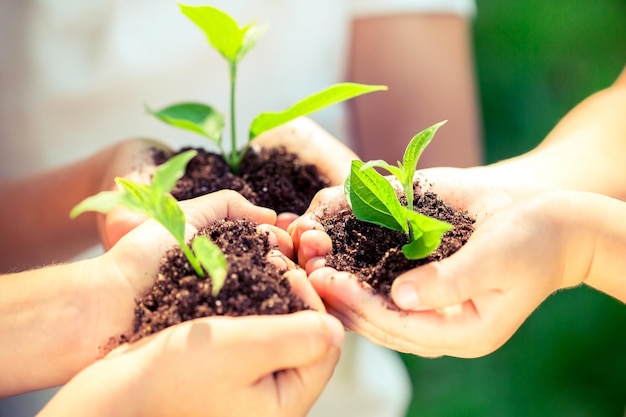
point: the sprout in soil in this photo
(156, 202)
(373, 199)
(233, 43)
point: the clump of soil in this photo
(374, 253)
(253, 284)
(267, 177)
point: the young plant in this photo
(373, 199)
(155, 201)
(233, 43)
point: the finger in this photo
(221, 204)
(278, 238)
(280, 342)
(117, 223)
(299, 388)
(284, 220)
(481, 265)
(313, 244)
(315, 263)
(301, 286)
(424, 333)
(305, 222)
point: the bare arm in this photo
(34, 214)
(426, 60)
(585, 151)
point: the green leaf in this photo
(167, 211)
(397, 172)
(251, 37)
(213, 260)
(427, 234)
(416, 147)
(138, 197)
(317, 101)
(222, 31)
(167, 174)
(373, 199)
(194, 117)
(102, 202)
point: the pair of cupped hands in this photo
(467, 305)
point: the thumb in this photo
(451, 281)
(282, 341)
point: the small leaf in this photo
(213, 260)
(222, 31)
(327, 97)
(251, 37)
(102, 202)
(167, 174)
(416, 147)
(194, 117)
(397, 172)
(373, 199)
(167, 211)
(427, 234)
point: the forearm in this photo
(53, 321)
(596, 242)
(585, 151)
(36, 227)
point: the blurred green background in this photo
(536, 59)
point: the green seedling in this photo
(233, 43)
(155, 201)
(373, 199)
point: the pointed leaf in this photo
(329, 96)
(250, 39)
(194, 117)
(212, 260)
(102, 202)
(167, 211)
(416, 147)
(222, 31)
(427, 234)
(167, 174)
(393, 170)
(373, 199)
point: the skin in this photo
(292, 360)
(426, 60)
(55, 319)
(55, 193)
(542, 225)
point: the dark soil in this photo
(374, 253)
(253, 285)
(269, 177)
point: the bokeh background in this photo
(535, 60)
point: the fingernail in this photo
(336, 330)
(406, 297)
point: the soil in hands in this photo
(253, 284)
(374, 253)
(267, 177)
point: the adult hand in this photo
(206, 367)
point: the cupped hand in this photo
(468, 304)
(218, 366)
(130, 267)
